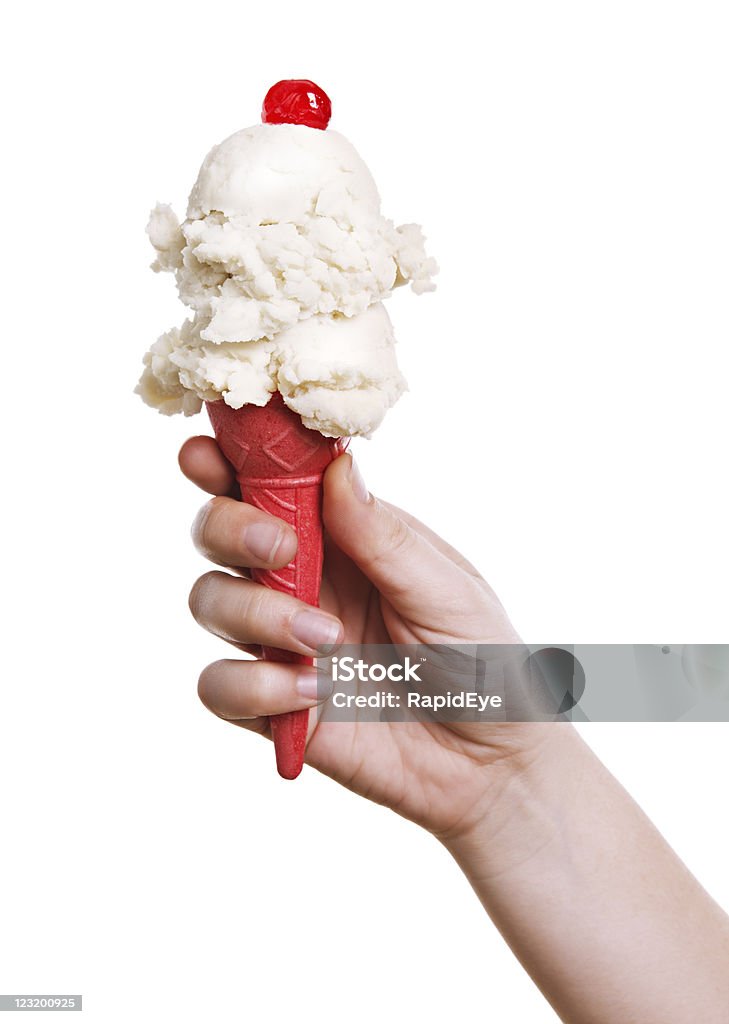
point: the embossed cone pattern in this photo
(279, 464)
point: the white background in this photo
(566, 427)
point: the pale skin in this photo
(603, 915)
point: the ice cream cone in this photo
(279, 464)
(299, 318)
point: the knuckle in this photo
(401, 537)
(268, 689)
(396, 537)
(259, 606)
(257, 693)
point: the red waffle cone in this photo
(279, 464)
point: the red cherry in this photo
(297, 101)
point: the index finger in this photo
(203, 462)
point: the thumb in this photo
(402, 564)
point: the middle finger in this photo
(243, 612)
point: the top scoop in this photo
(284, 258)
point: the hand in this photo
(387, 579)
(557, 852)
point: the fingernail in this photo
(263, 540)
(309, 687)
(357, 484)
(316, 631)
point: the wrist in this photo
(525, 811)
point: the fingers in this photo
(445, 548)
(229, 532)
(202, 462)
(437, 541)
(402, 563)
(433, 590)
(248, 690)
(243, 612)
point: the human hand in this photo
(387, 579)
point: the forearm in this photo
(603, 915)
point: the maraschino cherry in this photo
(297, 101)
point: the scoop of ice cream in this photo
(338, 373)
(283, 227)
(283, 223)
(279, 172)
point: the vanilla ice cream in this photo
(284, 258)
